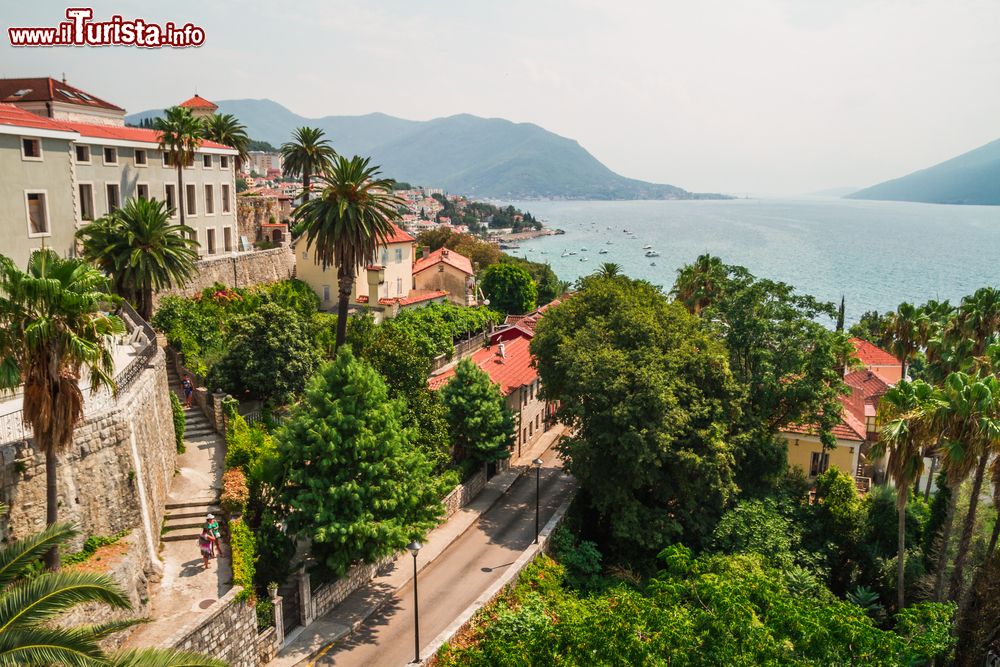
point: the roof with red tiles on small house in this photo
(514, 370)
(529, 320)
(47, 89)
(864, 390)
(415, 296)
(870, 386)
(138, 134)
(445, 256)
(872, 355)
(198, 102)
(264, 192)
(508, 332)
(15, 117)
(398, 235)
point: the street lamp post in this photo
(414, 548)
(538, 472)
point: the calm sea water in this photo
(876, 254)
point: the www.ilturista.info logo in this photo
(80, 30)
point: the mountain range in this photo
(484, 157)
(970, 178)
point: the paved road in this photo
(457, 577)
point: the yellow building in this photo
(445, 269)
(385, 286)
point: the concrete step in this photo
(183, 524)
(208, 504)
(185, 535)
(183, 513)
(198, 427)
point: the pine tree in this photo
(481, 424)
(354, 482)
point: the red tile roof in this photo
(872, 355)
(870, 386)
(514, 371)
(529, 320)
(865, 390)
(13, 116)
(446, 256)
(415, 296)
(198, 102)
(47, 89)
(265, 192)
(398, 235)
(125, 133)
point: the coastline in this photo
(531, 234)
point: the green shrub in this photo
(275, 550)
(179, 421)
(581, 559)
(247, 447)
(265, 614)
(244, 557)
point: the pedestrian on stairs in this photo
(206, 542)
(188, 390)
(212, 526)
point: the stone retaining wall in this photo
(463, 494)
(243, 269)
(228, 631)
(328, 596)
(113, 453)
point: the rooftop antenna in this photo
(64, 77)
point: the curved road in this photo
(459, 575)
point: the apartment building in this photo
(61, 169)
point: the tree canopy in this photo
(480, 423)
(509, 288)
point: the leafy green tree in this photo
(180, 137)
(647, 388)
(347, 223)
(308, 154)
(352, 479)
(837, 526)
(789, 364)
(481, 424)
(53, 328)
(270, 356)
(757, 526)
(548, 284)
(226, 129)
(31, 604)
(509, 288)
(140, 250)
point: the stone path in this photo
(186, 588)
(373, 626)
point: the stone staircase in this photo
(184, 519)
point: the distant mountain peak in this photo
(462, 153)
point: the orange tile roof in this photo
(398, 235)
(125, 133)
(449, 257)
(865, 389)
(198, 102)
(514, 371)
(872, 355)
(16, 117)
(871, 386)
(415, 296)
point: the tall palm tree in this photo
(906, 414)
(700, 284)
(306, 155)
(30, 605)
(968, 417)
(609, 270)
(52, 328)
(226, 129)
(347, 222)
(142, 252)
(979, 318)
(902, 333)
(180, 137)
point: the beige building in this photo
(385, 286)
(57, 100)
(58, 173)
(446, 270)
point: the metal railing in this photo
(139, 332)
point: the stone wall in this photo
(328, 596)
(228, 631)
(267, 646)
(463, 494)
(252, 211)
(121, 460)
(243, 269)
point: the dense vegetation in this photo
(479, 215)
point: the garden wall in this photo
(228, 631)
(243, 269)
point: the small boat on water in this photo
(626, 231)
(609, 227)
(602, 252)
(652, 263)
(652, 253)
(610, 243)
(583, 250)
(572, 252)
(583, 259)
(565, 254)
(647, 247)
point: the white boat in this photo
(572, 252)
(625, 231)
(565, 254)
(610, 243)
(647, 247)
(652, 253)
(583, 259)
(602, 252)
(652, 263)
(583, 250)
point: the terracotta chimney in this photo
(376, 276)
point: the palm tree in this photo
(52, 328)
(609, 270)
(226, 129)
(307, 154)
(347, 222)
(968, 417)
(180, 137)
(142, 252)
(902, 333)
(30, 605)
(700, 284)
(979, 318)
(905, 412)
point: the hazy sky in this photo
(755, 96)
